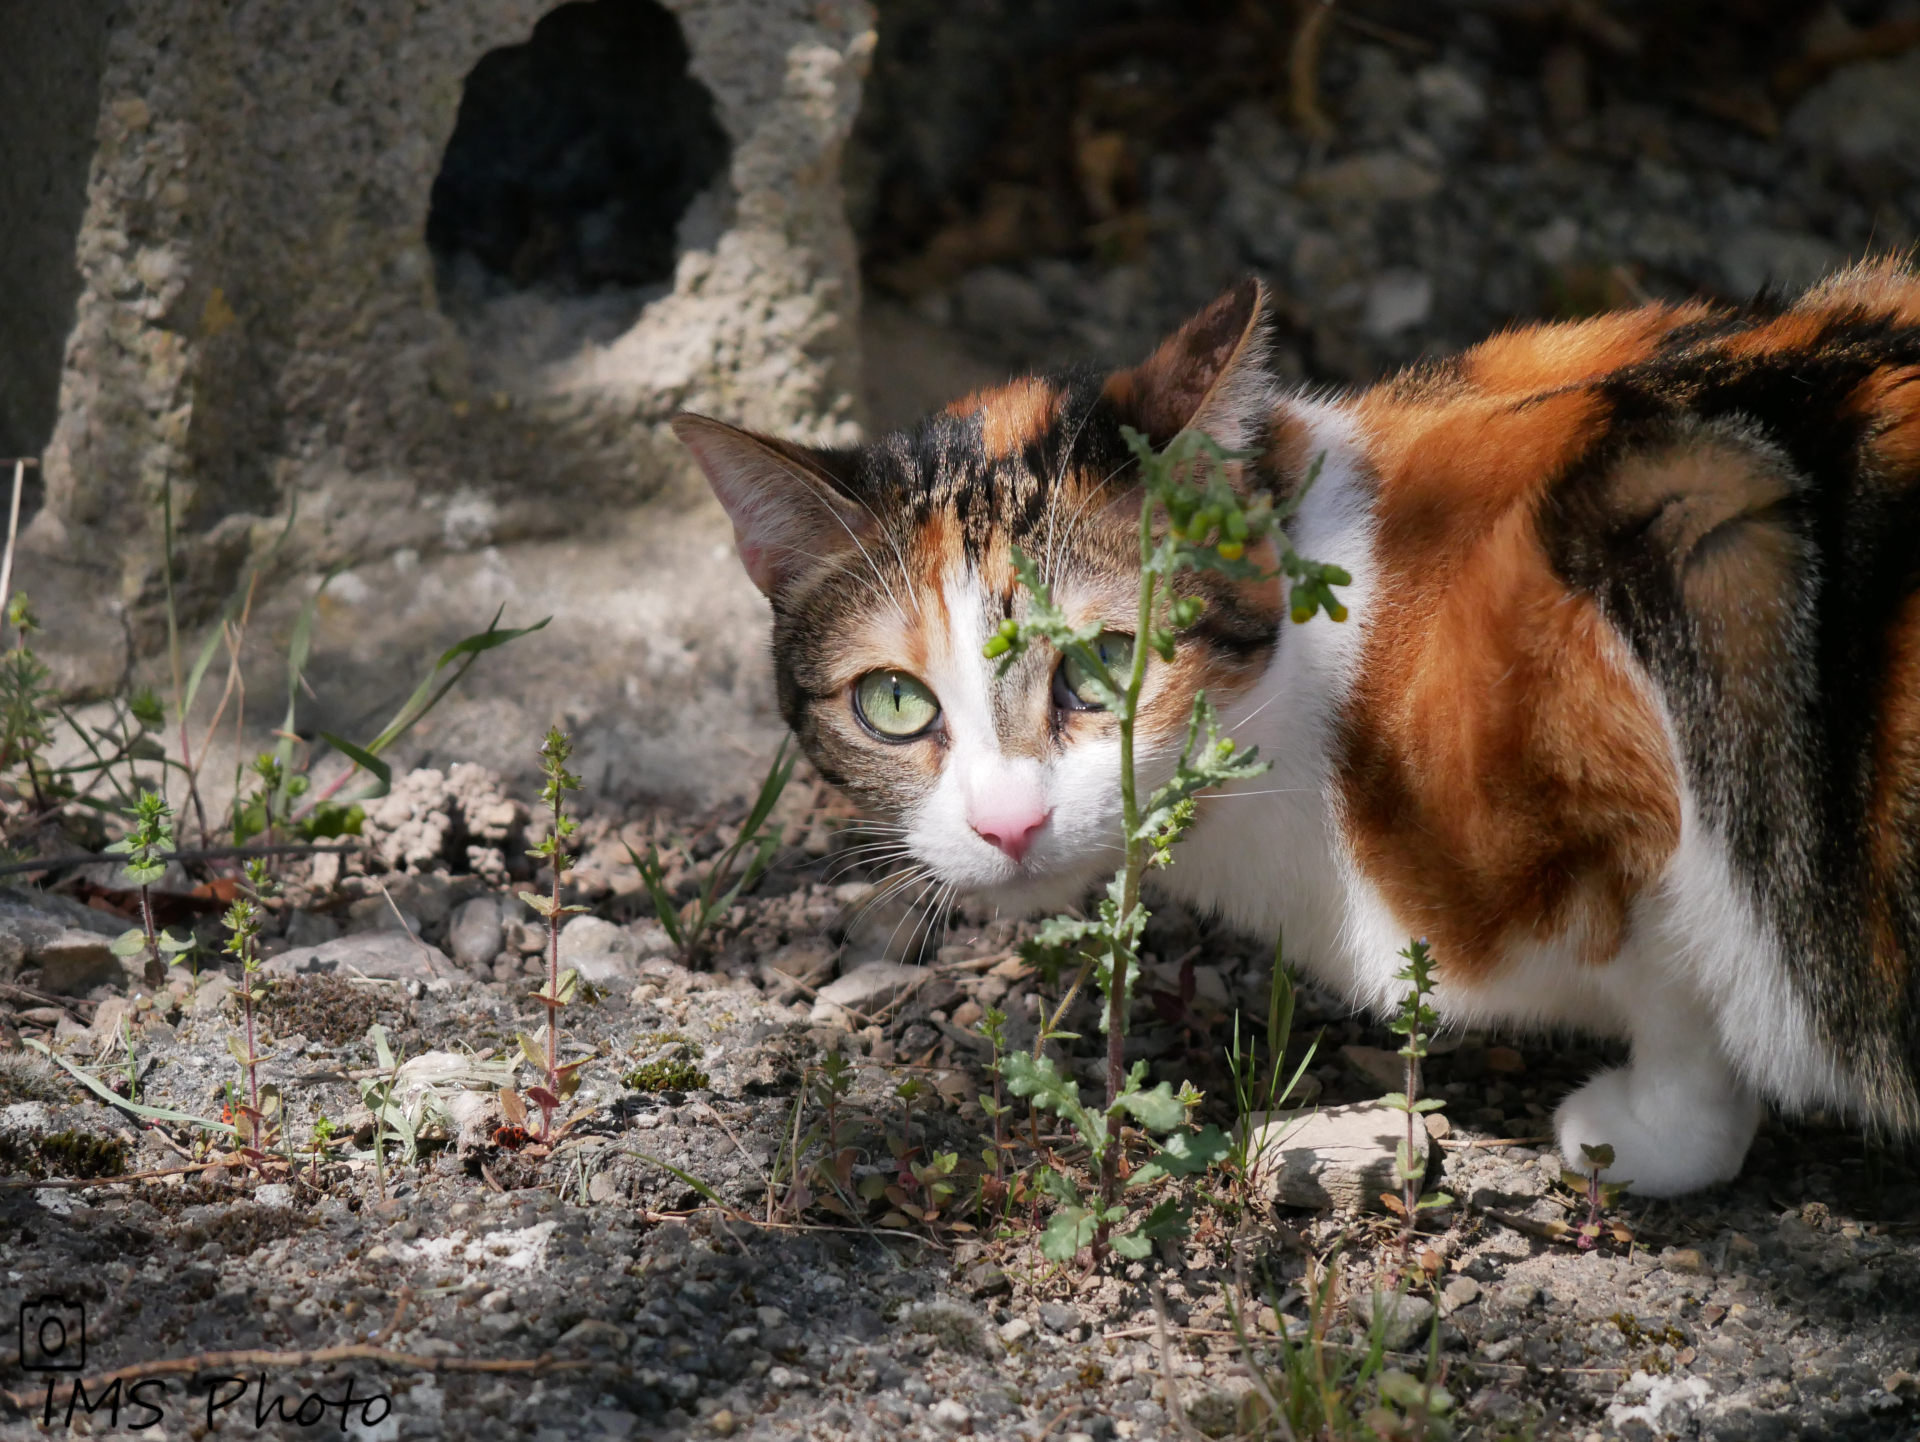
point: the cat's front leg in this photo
(1676, 1116)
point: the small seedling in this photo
(993, 1180)
(1415, 1022)
(254, 1113)
(1600, 1196)
(1259, 1089)
(560, 985)
(146, 848)
(321, 1139)
(688, 925)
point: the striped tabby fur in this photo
(1625, 720)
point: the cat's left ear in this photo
(1210, 375)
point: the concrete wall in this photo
(50, 62)
(258, 323)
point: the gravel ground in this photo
(1068, 183)
(637, 1258)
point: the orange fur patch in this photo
(1538, 359)
(1012, 417)
(1505, 778)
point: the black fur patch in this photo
(1777, 689)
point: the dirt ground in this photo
(636, 1279)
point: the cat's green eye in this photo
(894, 705)
(1073, 686)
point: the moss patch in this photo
(667, 1074)
(64, 1154)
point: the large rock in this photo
(1339, 1157)
(476, 936)
(74, 962)
(380, 955)
(593, 935)
(605, 968)
(31, 921)
(864, 990)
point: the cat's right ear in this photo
(788, 514)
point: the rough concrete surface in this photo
(258, 324)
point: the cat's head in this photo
(888, 567)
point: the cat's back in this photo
(1651, 581)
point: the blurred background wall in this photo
(412, 289)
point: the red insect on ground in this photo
(511, 1137)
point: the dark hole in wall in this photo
(50, 98)
(576, 155)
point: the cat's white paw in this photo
(1666, 1139)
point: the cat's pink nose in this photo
(1011, 831)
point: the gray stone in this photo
(992, 299)
(1372, 177)
(864, 990)
(1516, 1296)
(604, 968)
(594, 1333)
(377, 913)
(1866, 118)
(591, 935)
(74, 962)
(1341, 1157)
(1397, 300)
(476, 937)
(306, 928)
(809, 962)
(1059, 1317)
(1401, 1317)
(1459, 1292)
(214, 989)
(380, 955)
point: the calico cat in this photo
(1625, 718)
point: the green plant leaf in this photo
(1184, 1154)
(366, 760)
(1069, 1229)
(129, 943)
(425, 697)
(1158, 1110)
(1165, 1221)
(535, 1053)
(113, 1099)
(332, 819)
(706, 1192)
(377, 1034)
(655, 880)
(1057, 1185)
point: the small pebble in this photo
(953, 1415)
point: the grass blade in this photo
(425, 697)
(366, 759)
(655, 879)
(691, 1180)
(114, 1099)
(770, 789)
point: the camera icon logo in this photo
(53, 1335)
